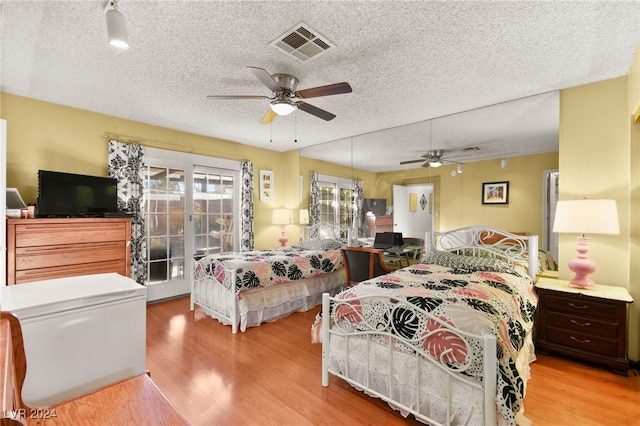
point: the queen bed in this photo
(449, 339)
(245, 289)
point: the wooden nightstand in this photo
(590, 325)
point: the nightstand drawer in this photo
(581, 325)
(582, 306)
(582, 341)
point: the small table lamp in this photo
(282, 217)
(304, 220)
(585, 217)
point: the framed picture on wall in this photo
(495, 193)
(266, 185)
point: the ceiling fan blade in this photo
(266, 79)
(320, 113)
(269, 116)
(412, 161)
(330, 89)
(236, 97)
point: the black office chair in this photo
(363, 263)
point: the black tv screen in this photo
(72, 195)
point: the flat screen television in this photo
(72, 195)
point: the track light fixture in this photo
(116, 26)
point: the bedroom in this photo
(587, 112)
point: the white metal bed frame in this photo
(206, 289)
(463, 238)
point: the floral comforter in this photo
(471, 295)
(265, 268)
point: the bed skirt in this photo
(265, 304)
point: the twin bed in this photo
(448, 340)
(245, 289)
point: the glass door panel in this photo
(327, 202)
(214, 209)
(165, 213)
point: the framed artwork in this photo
(413, 202)
(266, 185)
(495, 193)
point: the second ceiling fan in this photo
(285, 94)
(433, 158)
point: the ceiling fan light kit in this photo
(116, 26)
(283, 107)
(284, 92)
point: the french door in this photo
(335, 198)
(190, 210)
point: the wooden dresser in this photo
(41, 249)
(590, 325)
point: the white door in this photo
(192, 208)
(412, 209)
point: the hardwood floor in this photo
(270, 375)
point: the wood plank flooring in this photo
(270, 375)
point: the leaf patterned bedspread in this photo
(265, 268)
(477, 301)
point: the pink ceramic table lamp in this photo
(585, 217)
(282, 217)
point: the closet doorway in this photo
(413, 209)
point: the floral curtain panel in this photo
(358, 198)
(126, 163)
(314, 200)
(246, 214)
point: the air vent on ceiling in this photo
(471, 148)
(302, 42)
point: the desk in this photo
(398, 254)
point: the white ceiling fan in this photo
(284, 97)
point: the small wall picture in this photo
(266, 185)
(495, 193)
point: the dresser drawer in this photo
(50, 256)
(581, 306)
(32, 234)
(28, 275)
(583, 325)
(581, 341)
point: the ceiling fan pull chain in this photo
(295, 129)
(270, 133)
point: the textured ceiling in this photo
(407, 61)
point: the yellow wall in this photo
(42, 135)
(634, 202)
(459, 198)
(595, 148)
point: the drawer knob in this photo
(580, 340)
(581, 324)
(578, 307)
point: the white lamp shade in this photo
(281, 217)
(117, 29)
(304, 217)
(587, 217)
(282, 107)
